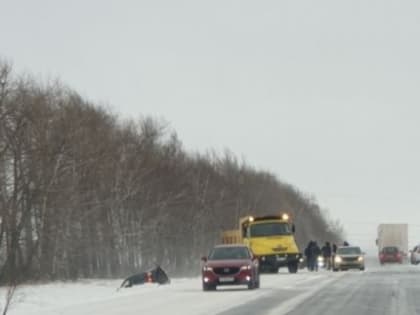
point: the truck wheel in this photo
(293, 267)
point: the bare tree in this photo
(8, 298)
(84, 194)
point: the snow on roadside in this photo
(182, 296)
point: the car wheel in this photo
(208, 287)
(362, 269)
(335, 269)
(257, 283)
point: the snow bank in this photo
(182, 296)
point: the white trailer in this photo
(393, 234)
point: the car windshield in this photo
(221, 253)
(349, 251)
(270, 229)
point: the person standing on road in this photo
(334, 251)
(309, 258)
(326, 253)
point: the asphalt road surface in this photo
(389, 291)
(380, 290)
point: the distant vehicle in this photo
(349, 257)
(394, 234)
(230, 265)
(390, 254)
(415, 255)
(271, 238)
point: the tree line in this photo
(84, 193)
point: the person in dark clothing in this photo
(312, 251)
(327, 253)
(334, 251)
(308, 255)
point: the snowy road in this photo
(379, 290)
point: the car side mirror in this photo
(204, 259)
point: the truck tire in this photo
(293, 267)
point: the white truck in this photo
(393, 234)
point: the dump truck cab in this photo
(271, 239)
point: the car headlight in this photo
(338, 259)
(207, 268)
(246, 267)
(360, 258)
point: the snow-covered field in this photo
(182, 296)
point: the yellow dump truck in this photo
(271, 239)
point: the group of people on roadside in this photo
(327, 251)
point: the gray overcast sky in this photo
(323, 93)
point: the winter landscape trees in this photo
(86, 194)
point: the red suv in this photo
(228, 265)
(390, 254)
